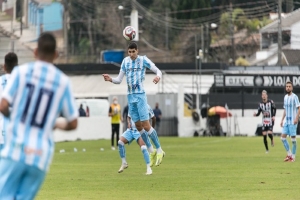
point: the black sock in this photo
(266, 142)
(270, 136)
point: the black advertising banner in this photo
(250, 80)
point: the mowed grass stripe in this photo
(194, 168)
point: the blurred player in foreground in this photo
(38, 92)
(291, 115)
(268, 110)
(10, 61)
(134, 67)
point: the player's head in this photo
(115, 100)
(264, 95)
(10, 61)
(132, 50)
(46, 49)
(289, 87)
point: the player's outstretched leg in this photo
(152, 152)
(287, 148)
(122, 153)
(159, 152)
(266, 143)
(294, 149)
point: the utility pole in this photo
(205, 52)
(65, 27)
(202, 41)
(21, 16)
(167, 29)
(279, 34)
(232, 32)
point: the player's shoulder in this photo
(270, 100)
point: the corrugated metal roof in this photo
(287, 22)
(292, 56)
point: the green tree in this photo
(237, 18)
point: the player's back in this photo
(3, 120)
(37, 91)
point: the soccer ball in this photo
(129, 33)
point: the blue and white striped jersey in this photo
(151, 114)
(291, 104)
(135, 73)
(38, 92)
(3, 120)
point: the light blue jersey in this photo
(3, 120)
(151, 114)
(38, 92)
(291, 104)
(135, 73)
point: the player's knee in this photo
(294, 140)
(143, 147)
(282, 138)
(120, 142)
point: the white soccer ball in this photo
(129, 33)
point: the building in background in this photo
(45, 15)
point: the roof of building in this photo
(286, 21)
(292, 56)
(43, 1)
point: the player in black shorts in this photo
(268, 110)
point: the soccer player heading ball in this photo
(134, 67)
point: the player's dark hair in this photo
(289, 82)
(10, 60)
(46, 44)
(132, 45)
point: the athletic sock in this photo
(122, 151)
(266, 142)
(294, 147)
(154, 138)
(145, 154)
(286, 145)
(270, 136)
(146, 140)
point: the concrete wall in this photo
(89, 128)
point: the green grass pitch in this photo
(194, 168)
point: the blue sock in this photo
(294, 147)
(153, 135)
(285, 144)
(122, 151)
(146, 139)
(145, 154)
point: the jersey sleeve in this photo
(258, 110)
(12, 86)
(69, 108)
(123, 69)
(296, 101)
(150, 65)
